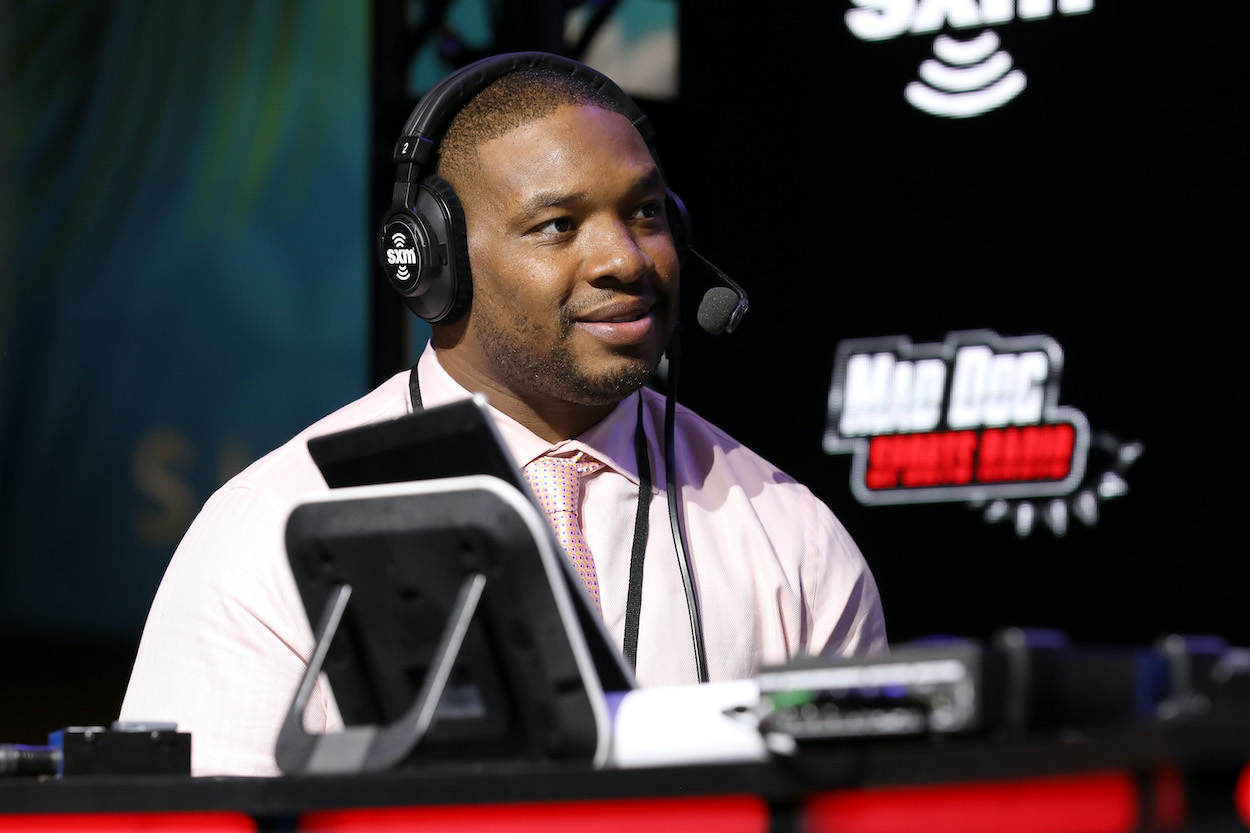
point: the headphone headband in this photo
(434, 112)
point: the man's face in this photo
(574, 268)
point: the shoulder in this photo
(290, 467)
(745, 506)
(725, 477)
(250, 509)
(710, 449)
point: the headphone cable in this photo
(674, 513)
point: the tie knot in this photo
(557, 480)
(585, 464)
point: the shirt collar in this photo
(610, 441)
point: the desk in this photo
(1175, 778)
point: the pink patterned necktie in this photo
(556, 482)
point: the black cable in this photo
(637, 557)
(674, 513)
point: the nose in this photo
(614, 252)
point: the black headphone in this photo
(423, 245)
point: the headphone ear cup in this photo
(425, 255)
(435, 195)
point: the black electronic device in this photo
(455, 440)
(1023, 681)
(123, 749)
(127, 748)
(918, 690)
(447, 631)
(449, 440)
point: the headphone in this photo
(423, 245)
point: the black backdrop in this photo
(1102, 207)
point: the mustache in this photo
(656, 299)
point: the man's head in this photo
(573, 263)
(509, 102)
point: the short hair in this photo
(510, 101)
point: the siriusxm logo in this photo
(394, 256)
(967, 76)
(400, 256)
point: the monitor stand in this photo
(425, 662)
(371, 748)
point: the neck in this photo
(551, 419)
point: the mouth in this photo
(621, 322)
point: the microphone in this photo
(722, 307)
(717, 308)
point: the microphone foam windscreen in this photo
(716, 309)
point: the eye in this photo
(649, 211)
(556, 225)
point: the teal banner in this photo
(185, 256)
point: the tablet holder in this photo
(445, 629)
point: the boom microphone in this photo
(722, 307)
(717, 308)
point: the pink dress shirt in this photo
(227, 638)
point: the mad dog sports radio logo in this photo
(975, 418)
(969, 73)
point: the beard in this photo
(536, 363)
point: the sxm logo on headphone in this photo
(974, 418)
(967, 76)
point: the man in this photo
(575, 278)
